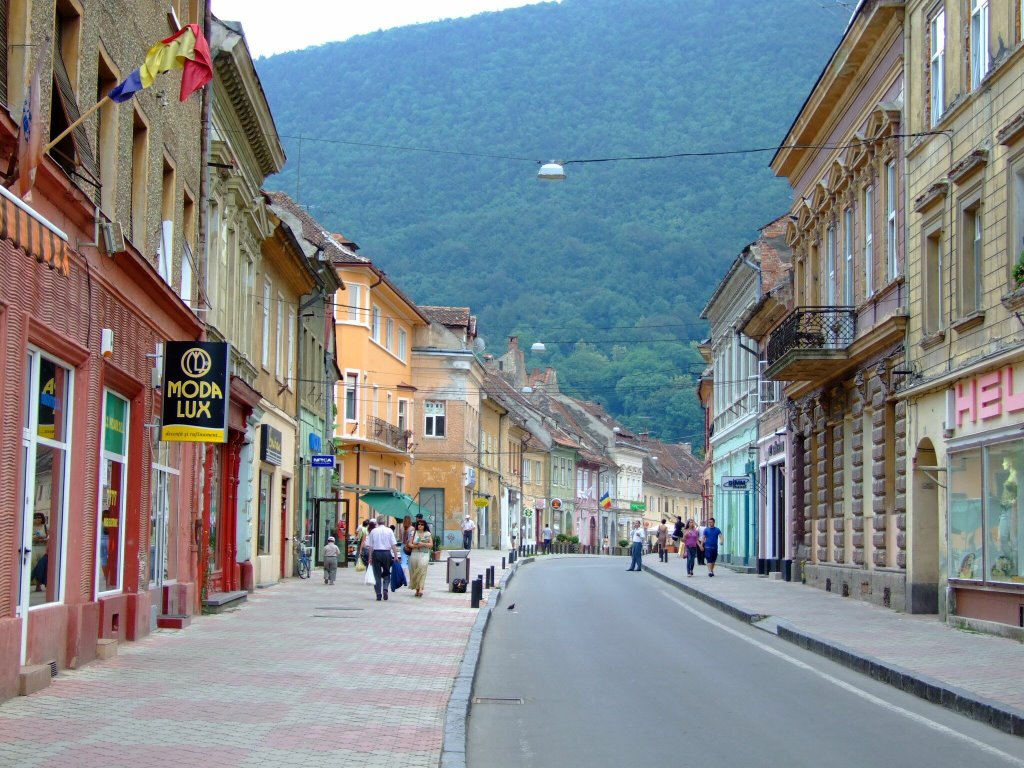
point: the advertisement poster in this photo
(195, 390)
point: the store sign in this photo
(774, 449)
(325, 460)
(556, 504)
(270, 445)
(480, 502)
(527, 513)
(113, 424)
(539, 504)
(316, 444)
(736, 482)
(637, 506)
(469, 477)
(987, 396)
(196, 389)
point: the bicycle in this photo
(305, 552)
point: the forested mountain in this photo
(609, 268)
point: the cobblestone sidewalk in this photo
(936, 658)
(304, 674)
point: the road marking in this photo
(850, 688)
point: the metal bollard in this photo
(490, 576)
(503, 563)
(477, 592)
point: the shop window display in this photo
(965, 524)
(1004, 463)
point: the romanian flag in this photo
(186, 50)
(606, 501)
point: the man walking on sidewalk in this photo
(548, 534)
(468, 526)
(712, 533)
(637, 536)
(383, 549)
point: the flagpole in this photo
(85, 116)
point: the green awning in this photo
(395, 504)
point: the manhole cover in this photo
(496, 700)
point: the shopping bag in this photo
(360, 566)
(398, 577)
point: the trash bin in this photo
(458, 566)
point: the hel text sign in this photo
(195, 405)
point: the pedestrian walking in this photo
(365, 552)
(407, 531)
(677, 534)
(700, 549)
(330, 553)
(468, 526)
(692, 545)
(637, 537)
(383, 550)
(712, 533)
(662, 539)
(422, 543)
(547, 535)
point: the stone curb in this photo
(456, 716)
(737, 613)
(995, 714)
(964, 702)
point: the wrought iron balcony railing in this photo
(813, 328)
(388, 434)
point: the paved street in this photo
(615, 668)
(304, 674)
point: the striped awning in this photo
(33, 234)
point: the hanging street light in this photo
(551, 172)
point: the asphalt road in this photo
(618, 669)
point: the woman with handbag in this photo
(422, 543)
(692, 543)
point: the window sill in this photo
(1014, 300)
(933, 340)
(969, 322)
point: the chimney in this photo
(513, 343)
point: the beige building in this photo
(965, 372)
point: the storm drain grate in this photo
(53, 669)
(330, 616)
(496, 700)
(336, 608)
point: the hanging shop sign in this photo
(556, 504)
(480, 502)
(196, 389)
(321, 460)
(270, 445)
(637, 506)
(736, 482)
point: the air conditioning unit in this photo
(113, 237)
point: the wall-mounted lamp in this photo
(107, 342)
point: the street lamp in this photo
(551, 172)
(538, 347)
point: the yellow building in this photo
(448, 379)
(376, 409)
(962, 385)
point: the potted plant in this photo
(435, 552)
(1018, 272)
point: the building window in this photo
(403, 415)
(163, 515)
(140, 160)
(263, 517)
(848, 257)
(1017, 212)
(265, 356)
(387, 479)
(279, 352)
(985, 513)
(891, 267)
(375, 326)
(46, 457)
(433, 418)
(351, 385)
(374, 477)
(937, 66)
(400, 483)
(389, 335)
(933, 320)
(869, 234)
(403, 344)
(113, 485)
(290, 374)
(830, 269)
(970, 261)
(355, 298)
(527, 477)
(106, 139)
(978, 42)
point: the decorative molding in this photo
(969, 322)
(1014, 301)
(1012, 131)
(934, 194)
(932, 340)
(973, 162)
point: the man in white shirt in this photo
(547, 535)
(383, 550)
(468, 526)
(638, 536)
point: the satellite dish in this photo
(479, 345)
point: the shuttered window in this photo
(73, 152)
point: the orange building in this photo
(374, 324)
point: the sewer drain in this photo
(495, 700)
(329, 616)
(336, 608)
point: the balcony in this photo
(387, 434)
(808, 343)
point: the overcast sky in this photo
(273, 27)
